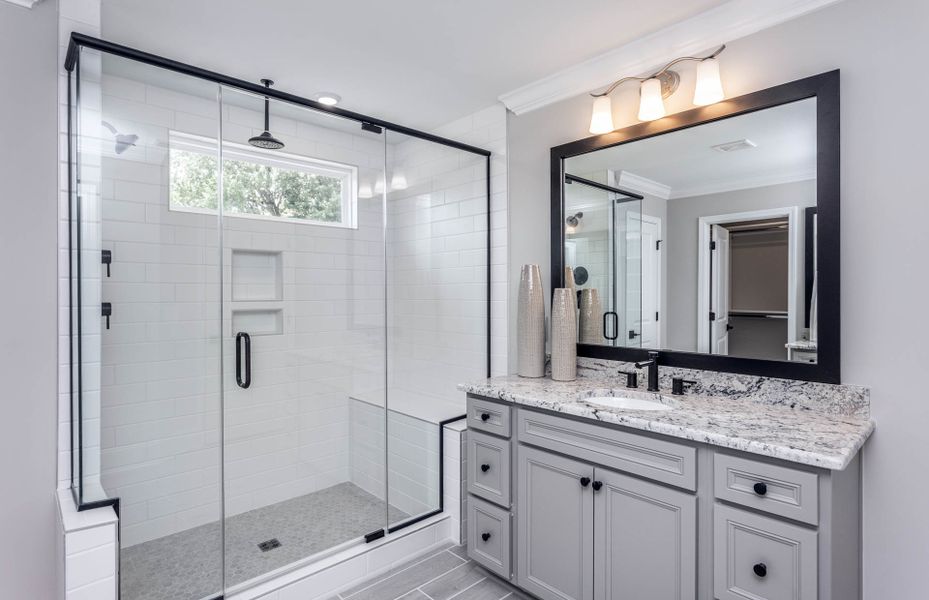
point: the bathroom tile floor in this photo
(188, 564)
(444, 575)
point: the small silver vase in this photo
(564, 335)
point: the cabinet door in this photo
(555, 526)
(645, 540)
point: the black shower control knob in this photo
(760, 569)
(485, 536)
(485, 417)
(760, 488)
(485, 467)
(585, 481)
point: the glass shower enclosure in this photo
(271, 304)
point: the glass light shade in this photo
(651, 104)
(398, 182)
(601, 118)
(364, 191)
(709, 88)
(379, 186)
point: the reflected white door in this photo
(651, 282)
(719, 291)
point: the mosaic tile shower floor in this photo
(187, 565)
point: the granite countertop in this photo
(771, 424)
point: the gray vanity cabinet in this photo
(556, 526)
(645, 539)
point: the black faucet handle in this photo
(632, 378)
(678, 384)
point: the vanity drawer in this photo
(489, 536)
(762, 558)
(489, 467)
(783, 491)
(488, 416)
(674, 464)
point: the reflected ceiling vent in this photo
(742, 144)
(266, 140)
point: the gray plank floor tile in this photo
(414, 595)
(461, 551)
(390, 573)
(409, 579)
(488, 589)
(454, 581)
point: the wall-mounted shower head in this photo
(266, 140)
(124, 141)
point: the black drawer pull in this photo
(598, 485)
(485, 467)
(485, 417)
(585, 481)
(485, 536)
(760, 569)
(760, 488)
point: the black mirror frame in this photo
(825, 88)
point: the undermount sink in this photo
(627, 403)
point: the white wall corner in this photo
(730, 21)
(25, 3)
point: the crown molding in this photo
(743, 183)
(24, 3)
(730, 21)
(643, 185)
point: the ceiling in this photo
(421, 63)
(685, 162)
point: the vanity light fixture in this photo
(658, 86)
(398, 181)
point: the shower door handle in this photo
(239, 339)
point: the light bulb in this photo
(601, 117)
(398, 182)
(709, 89)
(651, 105)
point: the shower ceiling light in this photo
(328, 98)
(661, 84)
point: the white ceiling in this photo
(686, 162)
(421, 63)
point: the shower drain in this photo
(269, 545)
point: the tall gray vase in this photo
(590, 320)
(530, 323)
(564, 335)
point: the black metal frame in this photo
(823, 87)
(72, 65)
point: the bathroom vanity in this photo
(726, 497)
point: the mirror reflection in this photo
(700, 240)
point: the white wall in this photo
(883, 241)
(28, 62)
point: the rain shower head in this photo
(266, 140)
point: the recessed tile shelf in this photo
(256, 276)
(258, 321)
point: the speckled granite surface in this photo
(808, 423)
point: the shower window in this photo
(260, 184)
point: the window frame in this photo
(198, 144)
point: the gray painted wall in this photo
(28, 267)
(683, 214)
(884, 244)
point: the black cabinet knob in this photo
(485, 467)
(485, 536)
(760, 569)
(597, 485)
(485, 416)
(760, 488)
(585, 481)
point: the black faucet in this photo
(652, 364)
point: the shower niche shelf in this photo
(258, 320)
(256, 276)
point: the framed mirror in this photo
(711, 235)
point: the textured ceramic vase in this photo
(564, 335)
(569, 284)
(530, 323)
(590, 320)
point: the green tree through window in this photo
(255, 188)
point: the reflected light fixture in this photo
(658, 86)
(398, 181)
(328, 98)
(364, 191)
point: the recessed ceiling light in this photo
(328, 98)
